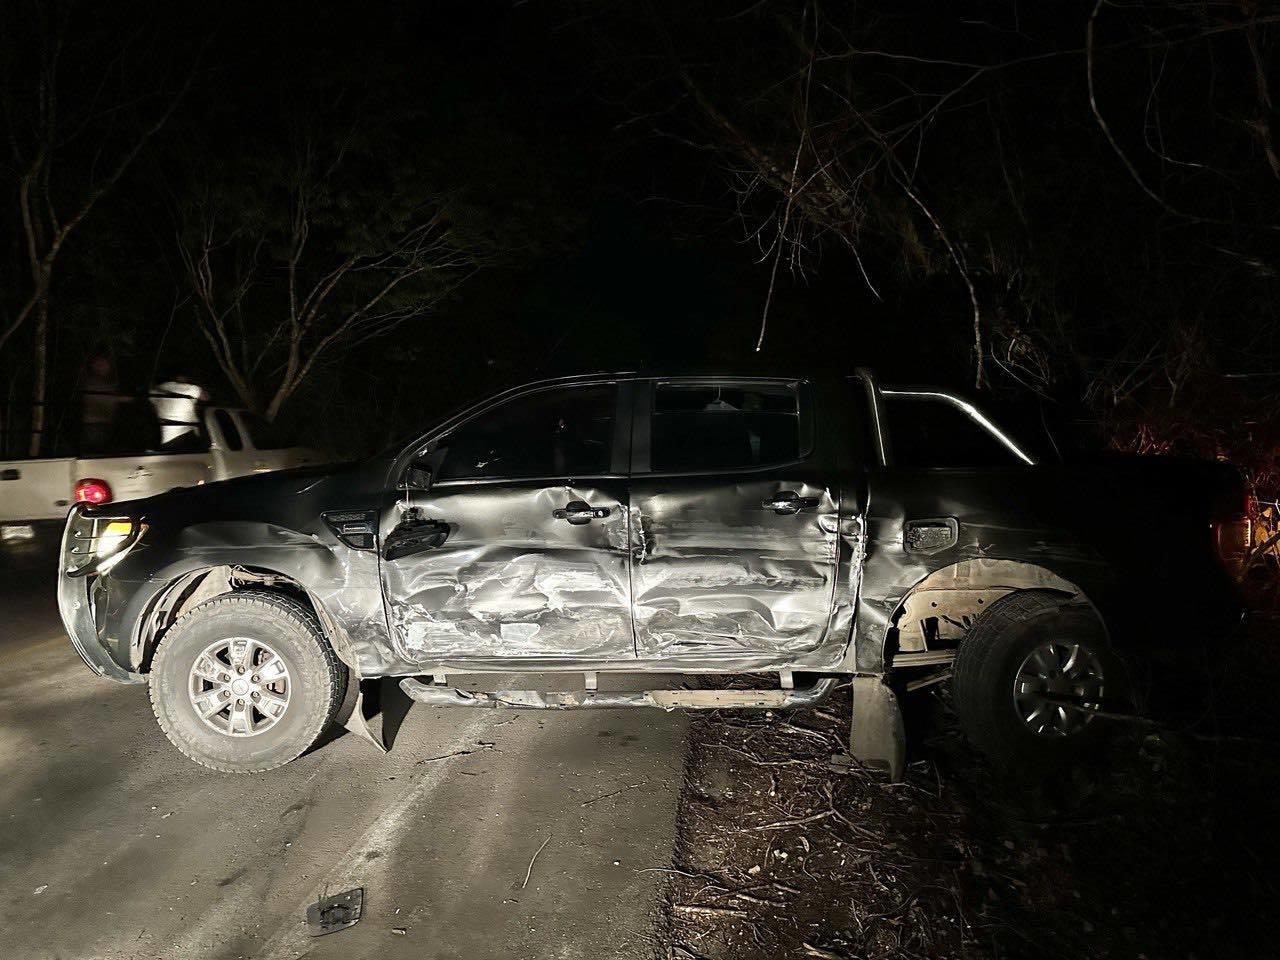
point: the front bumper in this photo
(75, 605)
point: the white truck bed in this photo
(43, 489)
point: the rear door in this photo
(518, 548)
(734, 522)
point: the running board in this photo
(440, 696)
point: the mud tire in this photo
(317, 680)
(986, 666)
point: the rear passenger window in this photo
(709, 426)
(925, 432)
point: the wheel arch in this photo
(944, 605)
(188, 589)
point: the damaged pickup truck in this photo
(777, 535)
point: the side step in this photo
(440, 696)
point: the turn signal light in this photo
(113, 537)
(96, 544)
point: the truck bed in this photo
(34, 490)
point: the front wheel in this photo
(1031, 676)
(245, 682)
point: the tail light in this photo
(1233, 539)
(91, 490)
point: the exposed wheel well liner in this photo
(947, 603)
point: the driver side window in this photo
(565, 432)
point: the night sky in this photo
(615, 176)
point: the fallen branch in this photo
(606, 796)
(482, 746)
(784, 824)
(528, 873)
(694, 876)
(709, 911)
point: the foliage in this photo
(76, 119)
(294, 251)
(1091, 194)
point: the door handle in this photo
(10, 474)
(786, 502)
(579, 512)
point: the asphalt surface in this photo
(482, 833)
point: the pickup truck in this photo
(770, 537)
(229, 443)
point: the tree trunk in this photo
(281, 395)
(39, 387)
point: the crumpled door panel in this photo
(716, 573)
(512, 579)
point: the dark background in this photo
(620, 183)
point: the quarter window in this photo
(709, 426)
(554, 433)
(925, 432)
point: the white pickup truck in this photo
(229, 443)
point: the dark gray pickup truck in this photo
(777, 535)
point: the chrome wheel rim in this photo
(1058, 688)
(239, 687)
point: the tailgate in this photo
(35, 489)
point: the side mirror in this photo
(414, 534)
(417, 477)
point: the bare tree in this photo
(835, 148)
(52, 202)
(273, 300)
(864, 127)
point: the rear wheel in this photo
(1030, 677)
(245, 682)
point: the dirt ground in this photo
(1165, 846)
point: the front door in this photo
(734, 523)
(518, 546)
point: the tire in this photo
(225, 637)
(987, 668)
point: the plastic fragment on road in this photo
(330, 914)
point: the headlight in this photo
(96, 544)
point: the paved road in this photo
(115, 846)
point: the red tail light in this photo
(92, 490)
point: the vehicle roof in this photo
(780, 371)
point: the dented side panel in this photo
(512, 579)
(715, 573)
(1000, 515)
(268, 525)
